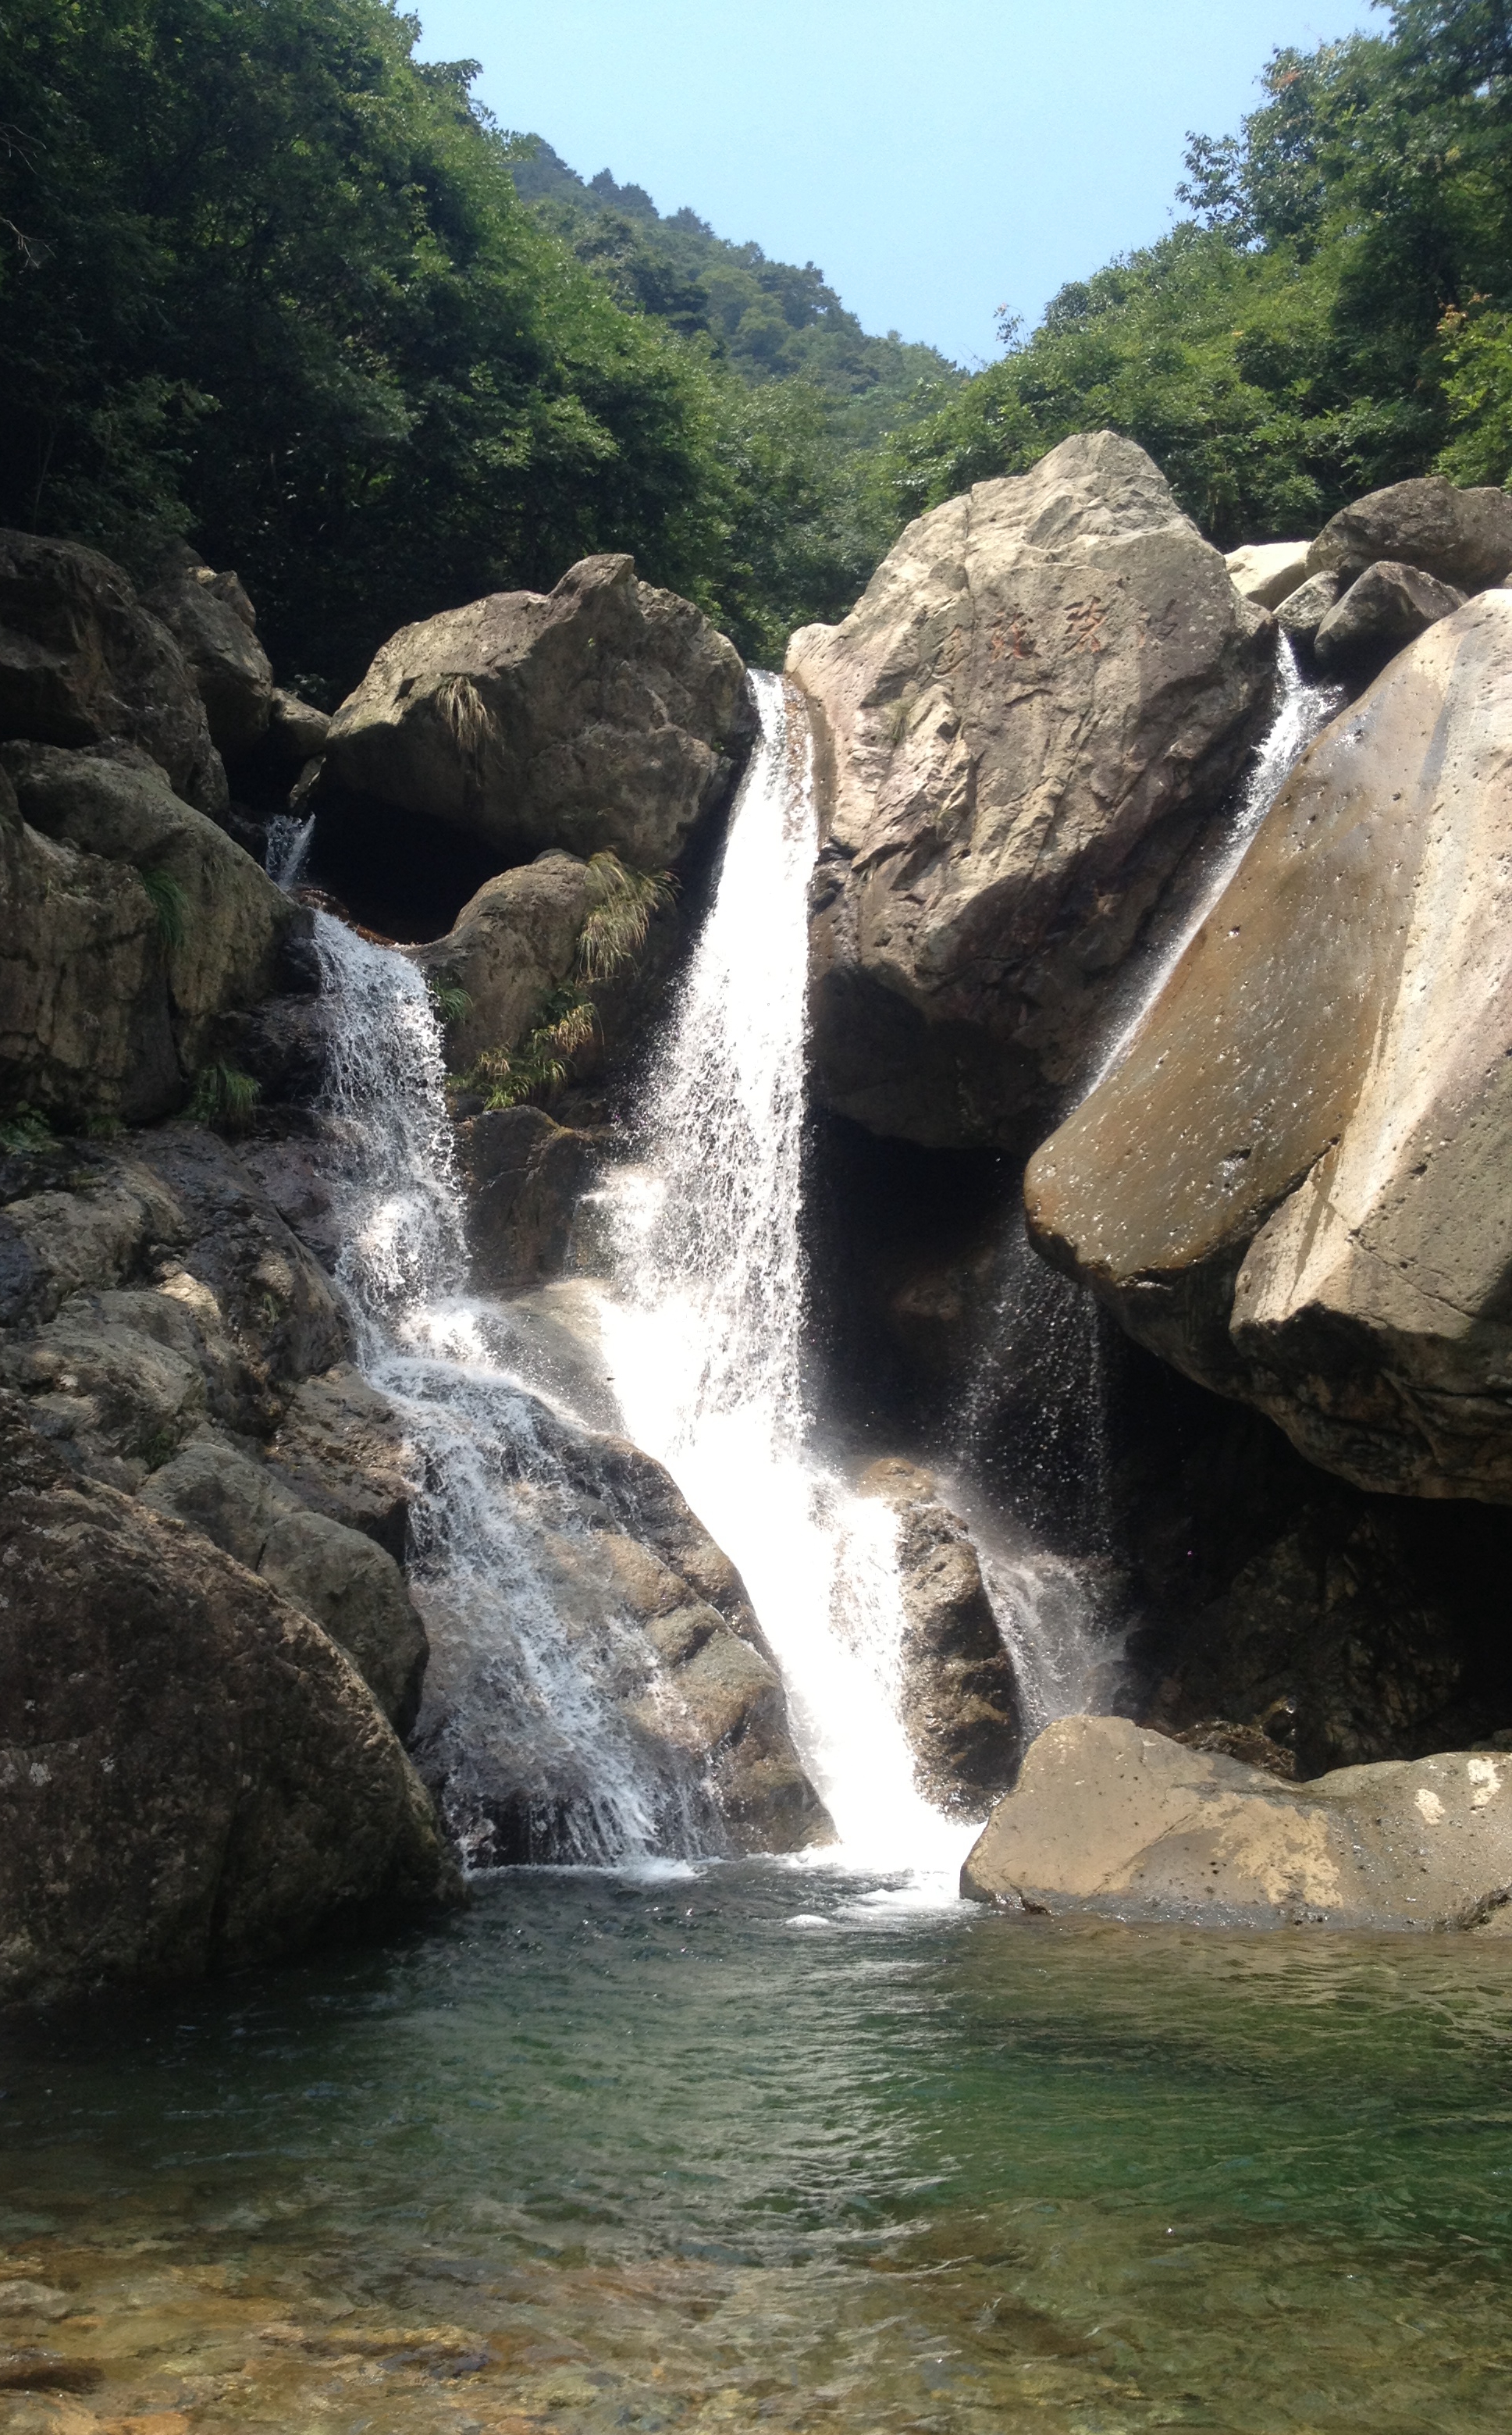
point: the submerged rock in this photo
(193, 1776)
(1046, 687)
(1293, 1184)
(1111, 1818)
(605, 715)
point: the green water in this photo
(755, 2147)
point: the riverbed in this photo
(775, 2146)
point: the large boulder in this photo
(353, 1589)
(1267, 572)
(511, 944)
(1293, 1184)
(1387, 607)
(192, 1777)
(1462, 537)
(603, 715)
(214, 625)
(81, 661)
(1111, 1818)
(1047, 687)
(958, 1701)
(220, 922)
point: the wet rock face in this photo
(663, 1650)
(1112, 1819)
(605, 715)
(1462, 537)
(83, 662)
(192, 1775)
(1293, 1186)
(525, 1175)
(959, 1704)
(1049, 684)
(162, 1325)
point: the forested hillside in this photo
(270, 282)
(1333, 312)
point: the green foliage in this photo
(450, 1002)
(1331, 317)
(25, 1129)
(224, 1097)
(170, 903)
(269, 278)
(541, 1065)
(621, 903)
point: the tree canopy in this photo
(1333, 313)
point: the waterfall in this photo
(1031, 1436)
(706, 1325)
(288, 847)
(1303, 710)
(521, 1730)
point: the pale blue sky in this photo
(935, 158)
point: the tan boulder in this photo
(1111, 1818)
(1293, 1185)
(605, 715)
(511, 944)
(1047, 686)
(1268, 571)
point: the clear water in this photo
(767, 2146)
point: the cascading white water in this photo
(706, 1327)
(520, 1730)
(1301, 712)
(288, 847)
(1040, 1354)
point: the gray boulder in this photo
(192, 1777)
(220, 922)
(81, 661)
(603, 715)
(345, 1583)
(214, 625)
(1293, 1183)
(1112, 1819)
(296, 730)
(1387, 607)
(1048, 685)
(1266, 572)
(511, 944)
(1462, 537)
(525, 1175)
(1303, 611)
(959, 1703)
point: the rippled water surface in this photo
(763, 2146)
